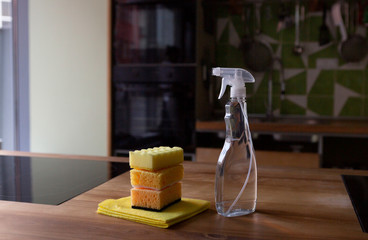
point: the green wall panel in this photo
(320, 97)
(290, 108)
(328, 52)
(353, 107)
(365, 106)
(259, 104)
(324, 85)
(321, 105)
(290, 60)
(352, 79)
(296, 84)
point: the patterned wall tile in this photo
(269, 20)
(300, 100)
(289, 59)
(365, 83)
(288, 34)
(276, 85)
(330, 52)
(258, 104)
(323, 106)
(324, 84)
(222, 31)
(314, 23)
(251, 105)
(229, 56)
(312, 75)
(296, 84)
(290, 108)
(365, 106)
(249, 89)
(239, 24)
(318, 83)
(352, 79)
(263, 86)
(353, 107)
(341, 96)
(276, 102)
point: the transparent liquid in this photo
(236, 173)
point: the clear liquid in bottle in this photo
(236, 173)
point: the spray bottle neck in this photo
(237, 92)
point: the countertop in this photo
(296, 125)
(293, 203)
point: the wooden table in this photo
(293, 203)
(295, 125)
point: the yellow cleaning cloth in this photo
(121, 208)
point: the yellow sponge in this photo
(155, 200)
(156, 180)
(153, 159)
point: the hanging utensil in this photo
(365, 15)
(337, 19)
(298, 49)
(324, 33)
(353, 48)
(247, 39)
(257, 53)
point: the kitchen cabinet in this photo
(345, 152)
(153, 75)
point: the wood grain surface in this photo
(293, 203)
(344, 127)
(266, 158)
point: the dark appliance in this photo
(357, 188)
(49, 180)
(153, 75)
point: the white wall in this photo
(7, 90)
(1, 85)
(68, 57)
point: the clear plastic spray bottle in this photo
(236, 173)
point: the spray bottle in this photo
(236, 172)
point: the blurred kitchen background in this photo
(100, 77)
(319, 81)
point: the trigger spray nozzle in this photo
(235, 78)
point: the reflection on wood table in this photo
(266, 158)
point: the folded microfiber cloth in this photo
(121, 208)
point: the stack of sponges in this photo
(155, 177)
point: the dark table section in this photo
(51, 180)
(357, 188)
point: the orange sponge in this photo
(156, 180)
(155, 200)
